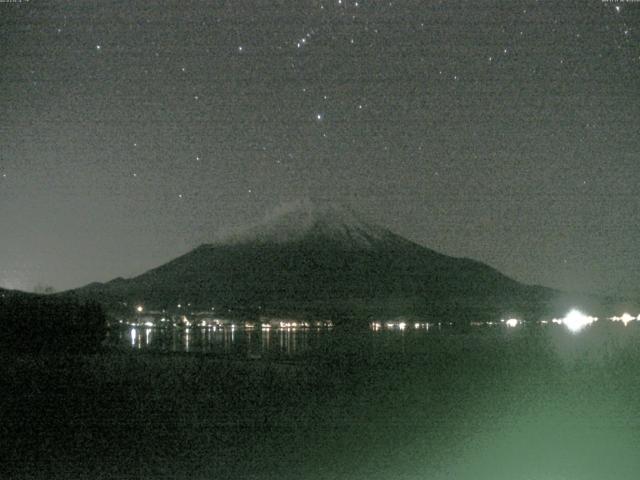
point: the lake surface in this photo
(227, 340)
(486, 403)
(254, 342)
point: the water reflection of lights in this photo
(133, 335)
(266, 339)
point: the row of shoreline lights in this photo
(575, 320)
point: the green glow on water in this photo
(495, 404)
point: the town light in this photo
(512, 322)
(576, 320)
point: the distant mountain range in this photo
(324, 260)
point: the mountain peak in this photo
(325, 221)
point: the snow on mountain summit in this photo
(306, 219)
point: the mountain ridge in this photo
(327, 261)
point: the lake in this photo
(255, 342)
(494, 403)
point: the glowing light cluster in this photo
(512, 322)
(575, 320)
(399, 325)
(625, 318)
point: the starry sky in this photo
(132, 131)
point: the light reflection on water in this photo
(227, 340)
(254, 342)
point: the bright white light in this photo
(139, 308)
(402, 325)
(512, 322)
(576, 320)
(625, 318)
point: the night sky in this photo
(504, 131)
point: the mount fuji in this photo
(310, 259)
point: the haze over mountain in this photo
(324, 259)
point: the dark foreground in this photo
(517, 404)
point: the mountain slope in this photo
(325, 259)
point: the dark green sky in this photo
(503, 131)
